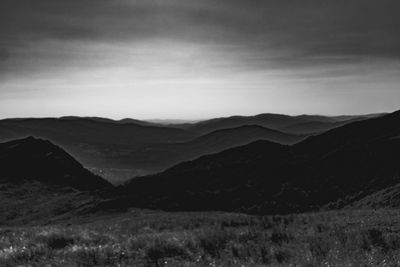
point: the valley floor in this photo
(149, 238)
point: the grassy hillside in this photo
(40, 182)
(147, 238)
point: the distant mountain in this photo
(302, 124)
(172, 122)
(245, 179)
(333, 169)
(97, 143)
(313, 127)
(100, 119)
(159, 157)
(384, 128)
(230, 137)
(118, 150)
(163, 156)
(92, 130)
(39, 181)
(355, 165)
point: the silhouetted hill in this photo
(248, 178)
(243, 135)
(312, 127)
(39, 182)
(302, 124)
(95, 131)
(33, 159)
(162, 156)
(358, 133)
(100, 144)
(119, 149)
(334, 169)
(386, 198)
(100, 119)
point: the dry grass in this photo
(344, 238)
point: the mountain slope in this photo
(312, 127)
(97, 143)
(40, 181)
(242, 179)
(162, 156)
(92, 130)
(40, 160)
(386, 198)
(243, 135)
(341, 166)
(302, 124)
(117, 149)
(354, 134)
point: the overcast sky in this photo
(191, 59)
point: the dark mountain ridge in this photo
(250, 132)
(306, 124)
(354, 134)
(39, 160)
(97, 144)
(117, 149)
(333, 169)
(349, 166)
(87, 129)
(41, 182)
(163, 156)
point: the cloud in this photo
(136, 42)
(309, 27)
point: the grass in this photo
(145, 238)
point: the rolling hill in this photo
(100, 144)
(333, 169)
(40, 181)
(120, 149)
(302, 124)
(242, 135)
(163, 156)
(353, 165)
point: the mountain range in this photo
(355, 165)
(334, 169)
(125, 148)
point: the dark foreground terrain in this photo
(149, 238)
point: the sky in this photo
(195, 59)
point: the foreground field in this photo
(146, 238)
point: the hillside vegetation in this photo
(145, 238)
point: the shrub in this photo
(392, 241)
(265, 255)
(214, 241)
(376, 237)
(282, 255)
(165, 248)
(56, 240)
(319, 246)
(280, 237)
